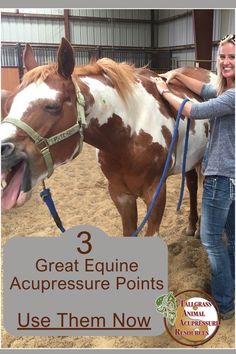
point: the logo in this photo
(191, 317)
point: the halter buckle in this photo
(42, 141)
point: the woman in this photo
(218, 206)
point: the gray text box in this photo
(84, 283)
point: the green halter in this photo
(47, 142)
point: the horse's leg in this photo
(192, 184)
(155, 218)
(126, 205)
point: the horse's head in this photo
(42, 128)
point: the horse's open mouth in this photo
(16, 184)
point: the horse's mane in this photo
(121, 75)
(38, 74)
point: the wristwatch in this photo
(164, 91)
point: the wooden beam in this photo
(203, 31)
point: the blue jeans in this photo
(218, 208)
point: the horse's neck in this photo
(104, 109)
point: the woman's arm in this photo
(192, 84)
(214, 108)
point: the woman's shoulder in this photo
(230, 93)
(208, 91)
(231, 90)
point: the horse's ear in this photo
(66, 60)
(28, 58)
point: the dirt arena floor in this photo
(80, 193)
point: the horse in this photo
(5, 94)
(112, 106)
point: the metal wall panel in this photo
(89, 12)
(44, 11)
(227, 22)
(8, 10)
(165, 14)
(176, 32)
(109, 13)
(224, 23)
(216, 25)
(133, 35)
(89, 33)
(133, 14)
(112, 34)
(31, 30)
(47, 11)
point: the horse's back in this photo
(200, 74)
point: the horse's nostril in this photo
(7, 149)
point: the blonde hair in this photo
(221, 83)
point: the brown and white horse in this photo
(126, 120)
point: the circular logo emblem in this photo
(191, 317)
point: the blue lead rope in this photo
(181, 194)
(45, 194)
(166, 168)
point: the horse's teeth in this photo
(3, 183)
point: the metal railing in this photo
(178, 63)
(11, 55)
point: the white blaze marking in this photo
(22, 101)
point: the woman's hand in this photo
(183, 80)
(169, 76)
(174, 100)
(161, 85)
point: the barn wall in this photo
(110, 34)
(129, 29)
(98, 32)
(31, 30)
(175, 32)
(227, 22)
(119, 13)
(47, 11)
(178, 30)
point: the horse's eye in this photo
(52, 108)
